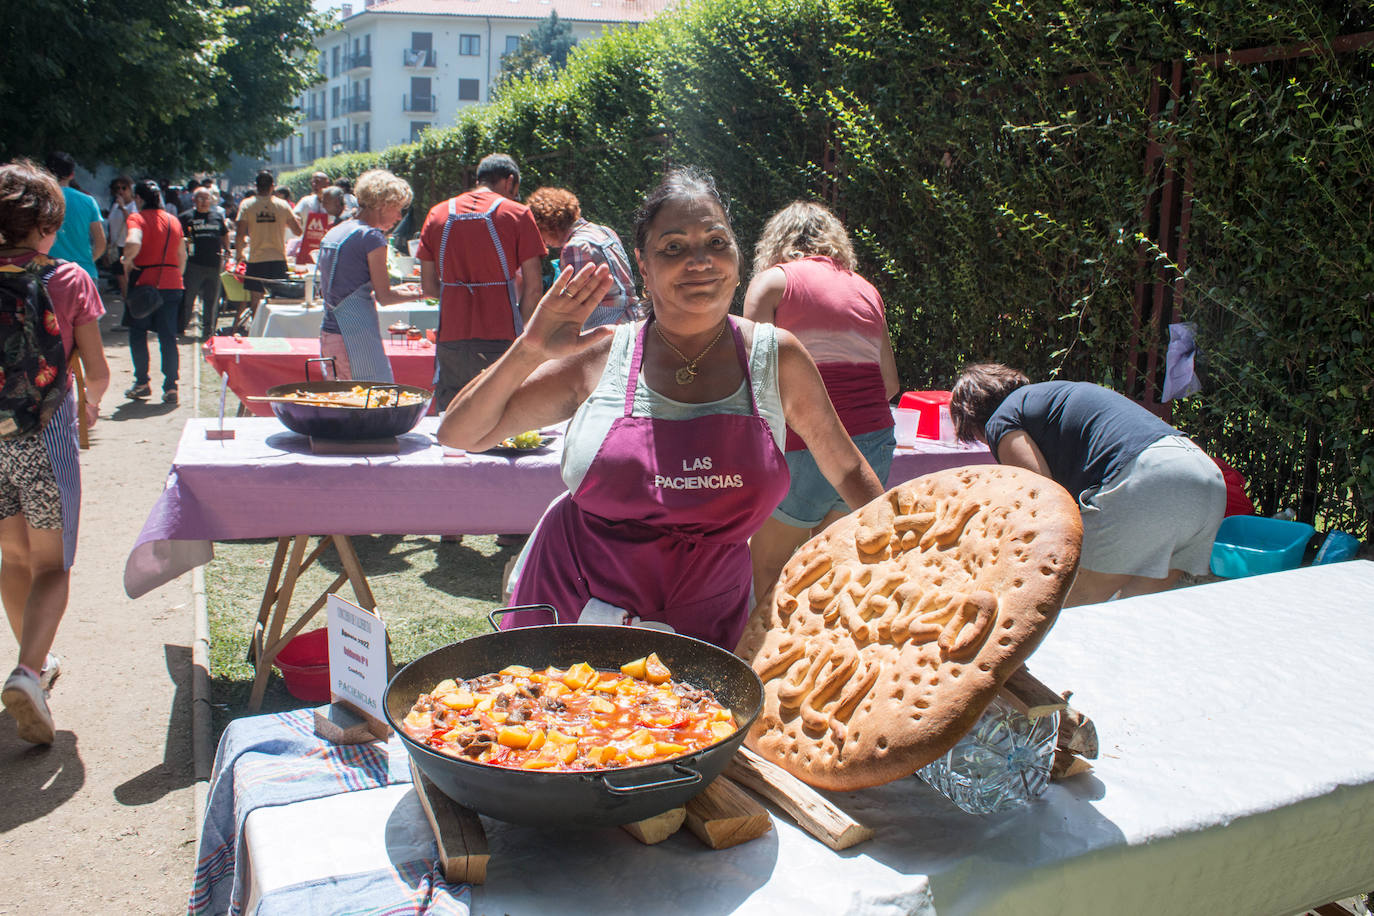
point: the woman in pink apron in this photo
(673, 454)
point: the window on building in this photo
(422, 41)
(512, 44)
(469, 90)
(367, 136)
(336, 55)
(417, 128)
(469, 45)
(336, 95)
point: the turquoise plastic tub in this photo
(1249, 545)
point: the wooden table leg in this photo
(267, 650)
(361, 590)
(269, 597)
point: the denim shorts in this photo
(811, 497)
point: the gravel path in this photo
(101, 822)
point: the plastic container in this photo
(1003, 763)
(906, 422)
(932, 410)
(1250, 545)
(1337, 548)
(304, 666)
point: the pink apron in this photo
(660, 523)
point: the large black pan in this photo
(577, 799)
(347, 423)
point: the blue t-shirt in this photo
(74, 238)
(1086, 432)
(351, 270)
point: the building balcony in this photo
(418, 59)
(357, 104)
(311, 153)
(313, 113)
(427, 104)
(358, 62)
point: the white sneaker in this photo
(52, 667)
(26, 700)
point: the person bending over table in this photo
(579, 241)
(1151, 500)
(804, 281)
(354, 279)
(673, 456)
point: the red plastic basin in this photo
(304, 666)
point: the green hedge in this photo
(989, 160)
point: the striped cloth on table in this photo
(278, 760)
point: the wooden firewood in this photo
(812, 811)
(1036, 699)
(658, 828)
(1077, 733)
(725, 815)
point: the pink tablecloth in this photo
(266, 482)
(255, 364)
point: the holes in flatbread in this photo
(985, 666)
(1047, 571)
(882, 743)
(954, 670)
(1008, 623)
(1005, 641)
(922, 703)
(1017, 583)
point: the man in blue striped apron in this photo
(479, 255)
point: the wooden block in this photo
(725, 815)
(340, 725)
(355, 446)
(219, 435)
(458, 832)
(812, 811)
(1037, 699)
(658, 828)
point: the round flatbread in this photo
(888, 635)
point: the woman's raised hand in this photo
(555, 328)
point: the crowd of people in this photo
(701, 450)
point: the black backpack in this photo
(33, 359)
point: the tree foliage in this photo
(542, 53)
(990, 161)
(165, 85)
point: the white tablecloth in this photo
(1237, 776)
(297, 320)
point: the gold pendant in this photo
(685, 375)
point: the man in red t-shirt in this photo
(479, 255)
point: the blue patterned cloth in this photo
(278, 760)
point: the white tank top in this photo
(589, 425)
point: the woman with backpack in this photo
(48, 309)
(155, 258)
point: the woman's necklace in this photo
(688, 373)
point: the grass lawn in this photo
(429, 592)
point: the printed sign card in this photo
(358, 661)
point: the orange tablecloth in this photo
(255, 364)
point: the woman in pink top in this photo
(40, 482)
(804, 281)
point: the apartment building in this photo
(399, 67)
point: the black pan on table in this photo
(594, 798)
(341, 423)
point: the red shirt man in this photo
(479, 255)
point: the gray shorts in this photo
(1159, 512)
(457, 362)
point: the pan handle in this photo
(396, 389)
(333, 367)
(688, 777)
(495, 616)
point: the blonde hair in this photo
(376, 188)
(799, 230)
